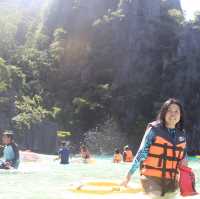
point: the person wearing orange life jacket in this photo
(127, 154)
(117, 156)
(162, 150)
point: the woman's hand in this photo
(126, 181)
(7, 165)
(184, 162)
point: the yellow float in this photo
(197, 156)
(101, 188)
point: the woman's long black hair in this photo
(164, 109)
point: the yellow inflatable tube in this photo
(101, 188)
(197, 156)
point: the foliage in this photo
(31, 111)
(63, 134)
(8, 30)
(177, 15)
(57, 48)
(10, 77)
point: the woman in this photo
(162, 150)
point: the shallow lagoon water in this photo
(47, 179)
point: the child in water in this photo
(117, 156)
(127, 154)
(85, 154)
(63, 154)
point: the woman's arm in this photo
(141, 154)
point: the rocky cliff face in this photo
(75, 16)
(187, 80)
(147, 46)
(155, 51)
(139, 40)
(41, 138)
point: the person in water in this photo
(117, 156)
(10, 152)
(162, 151)
(127, 154)
(63, 154)
(85, 154)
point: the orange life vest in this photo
(164, 154)
(128, 156)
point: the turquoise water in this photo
(47, 179)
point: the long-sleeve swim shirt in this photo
(144, 147)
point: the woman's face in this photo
(172, 116)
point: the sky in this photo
(190, 6)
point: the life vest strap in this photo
(167, 157)
(167, 170)
(168, 147)
(164, 169)
(178, 162)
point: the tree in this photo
(9, 20)
(30, 111)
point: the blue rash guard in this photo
(144, 148)
(64, 155)
(11, 154)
